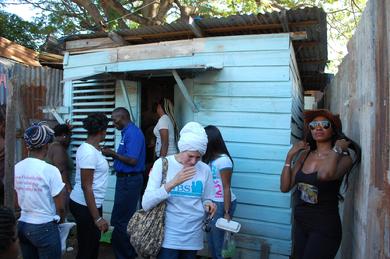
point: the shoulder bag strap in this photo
(164, 170)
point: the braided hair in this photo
(7, 229)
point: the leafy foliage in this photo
(15, 29)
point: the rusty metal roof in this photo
(311, 53)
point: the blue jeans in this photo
(39, 241)
(127, 194)
(166, 253)
(215, 236)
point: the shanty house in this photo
(246, 74)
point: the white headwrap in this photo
(193, 137)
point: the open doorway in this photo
(152, 90)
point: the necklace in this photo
(321, 155)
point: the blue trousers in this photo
(39, 241)
(216, 235)
(127, 194)
(166, 253)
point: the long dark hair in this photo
(337, 134)
(216, 145)
(167, 107)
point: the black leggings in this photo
(88, 235)
(317, 243)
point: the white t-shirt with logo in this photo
(36, 183)
(88, 157)
(185, 204)
(217, 165)
(165, 123)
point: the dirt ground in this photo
(105, 250)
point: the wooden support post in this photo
(127, 100)
(184, 91)
(10, 140)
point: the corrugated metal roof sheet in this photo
(311, 53)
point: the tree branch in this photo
(164, 7)
(126, 14)
(93, 11)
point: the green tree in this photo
(16, 29)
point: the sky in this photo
(25, 11)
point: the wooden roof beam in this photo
(195, 28)
(116, 38)
(261, 26)
(298, 35)
(219, 30)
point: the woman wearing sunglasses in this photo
(322, 160)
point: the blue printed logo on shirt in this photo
(193, 190)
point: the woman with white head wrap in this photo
(188, 191)
(40, 192)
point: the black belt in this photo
(129, 174)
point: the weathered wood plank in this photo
(252, 89)
(94, 44)
(245, 74)
(14, 51)
(242, 119)
(258, 243)
(256, 181)
(263, 213)
(243, 104)
(234, 59)
(258, 151)
(264, 229)
(256, 135)
(263, 198)
(258, 165)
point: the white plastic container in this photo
(232, 226)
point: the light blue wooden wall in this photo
(252, 99)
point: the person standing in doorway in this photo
(129, 164)
(57, 154)
(166, 131)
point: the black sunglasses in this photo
(323, 124)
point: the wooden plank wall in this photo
(250, 100)
(360, 93)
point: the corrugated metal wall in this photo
(360, 93)
(39, 87)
